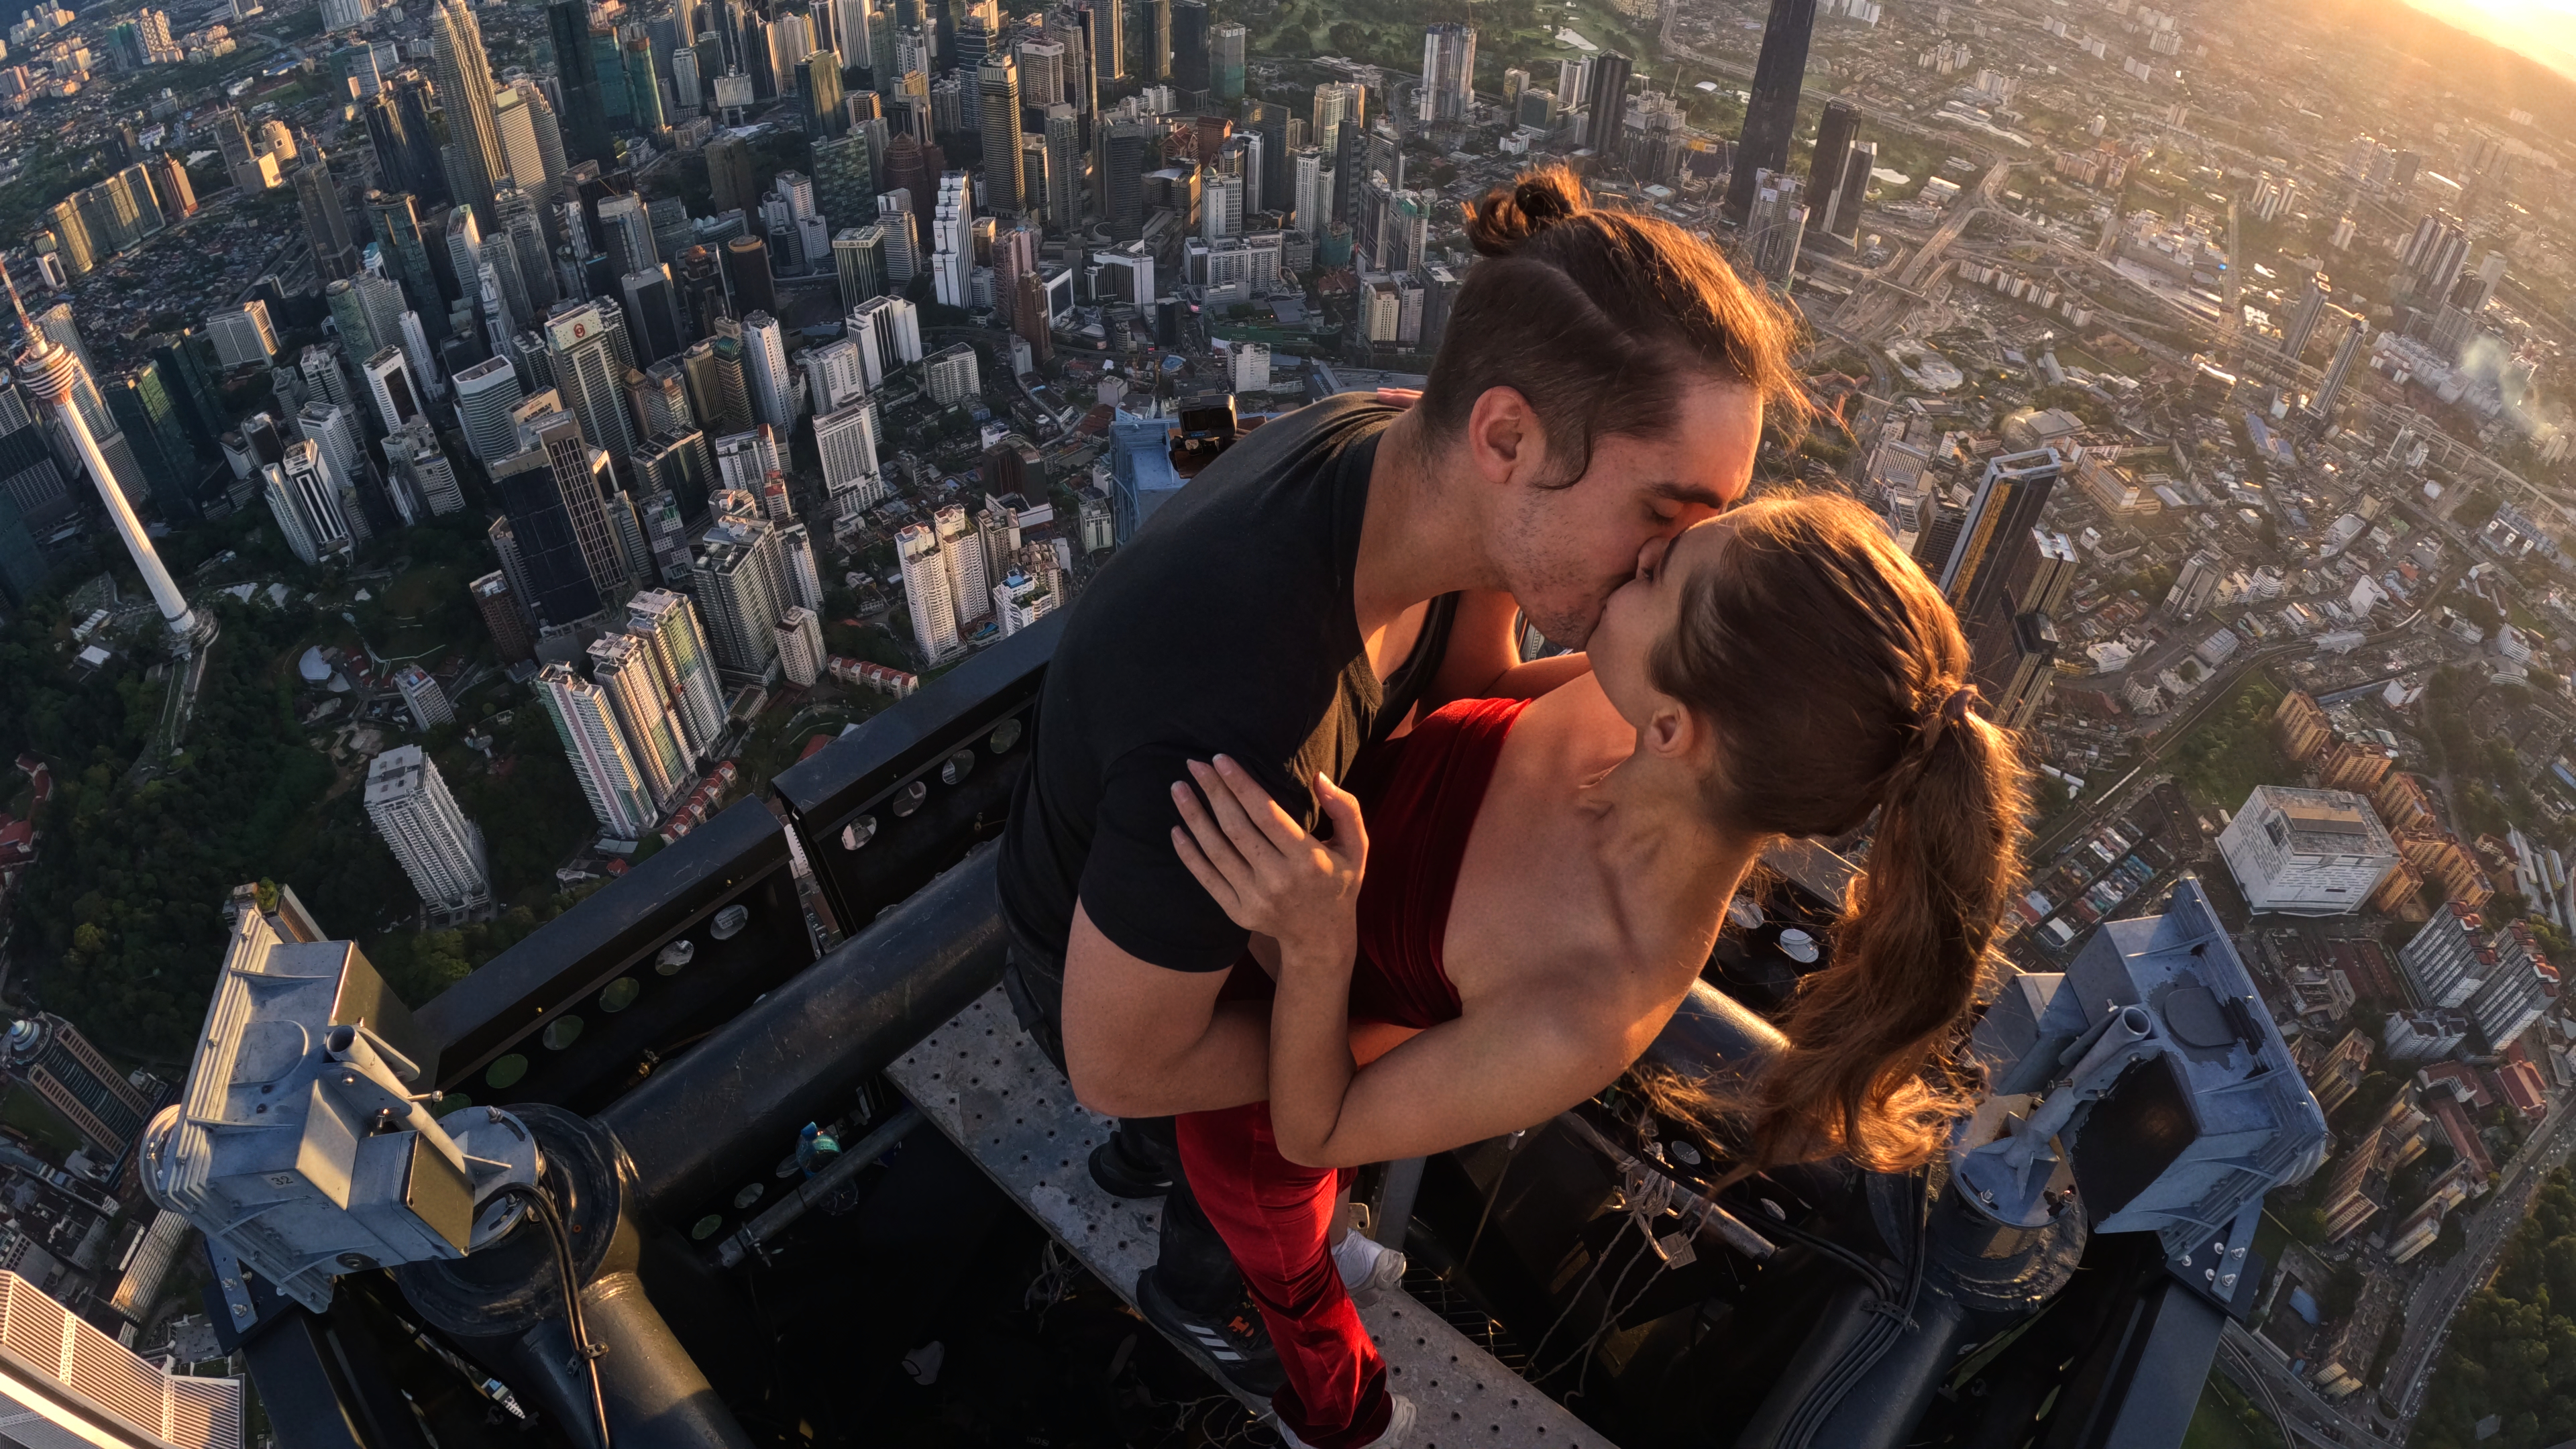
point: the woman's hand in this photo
(1264, 869)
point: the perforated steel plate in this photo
(987, 1086)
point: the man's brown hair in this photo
(1601, 319)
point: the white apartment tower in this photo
(439, 848)
(927, 592)
(595, 743)
(800, 646)
(667, 623)
(764, 370)
(622, 666)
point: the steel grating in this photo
(986, 1085)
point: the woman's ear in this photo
(1671, 731)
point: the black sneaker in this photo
(1121, 1172)
(1236, 1347)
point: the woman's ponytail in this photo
(1833, 674)
(1867, 1069)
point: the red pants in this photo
(1275, 1216)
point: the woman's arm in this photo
(1504, 1065)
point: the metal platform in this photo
(985, 1084)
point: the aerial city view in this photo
(501, 501)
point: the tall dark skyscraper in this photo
(1189, 32)
(1771, 117)
(1608, 102)
(1996, 532)
(1835, 134)
(585, 118)
(406, 148)
(1125, 154)
(1154, 22)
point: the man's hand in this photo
(1265, 870)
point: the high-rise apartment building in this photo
(422, 696)
(440, 850)
(927, 591)
(623, 667)
(765, 371)
(740, 586)
(1448, 94)
(1774, 228)
(800, 646)
(667, 623)
(612, 780)
(502, 616)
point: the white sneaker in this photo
(1369, 1268)
(1398, 1424)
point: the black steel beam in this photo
(725, 1113)
(612, 939)
(881, 811)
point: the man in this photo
(1338, 571)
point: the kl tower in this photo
(48, 371)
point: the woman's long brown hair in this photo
(1834, 678)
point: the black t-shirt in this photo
(1226, 625)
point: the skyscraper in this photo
(1773, 228)
(622, 665)
(1836, 131)
(1225, 63)
(2304, 318)
(668, 624)
(2322, 405)
(326, 220)
(555, 495)
(586, 131)
(585, 720)
(464, 78)
(586, 344)
(764, 371)
(997, 84)
(1997, 531)
(746, 263)
(1448, 94)
(739, 583)
(439, 848)
(502, 617)
(485, 393)
(1771, 116)
(50, 373)
(1188, 36)
(1608, 99)
(927, 592)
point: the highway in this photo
(2446, 1287)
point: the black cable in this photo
(586, 1354)
(1891, 1318)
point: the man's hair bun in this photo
(1508, 217)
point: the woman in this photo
(1545, 878)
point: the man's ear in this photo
(1504, 438)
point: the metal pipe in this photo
(1394, 1216)
(728, 1109)
(813, 1189)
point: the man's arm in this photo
(1484, 656)
(1143, 1041)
